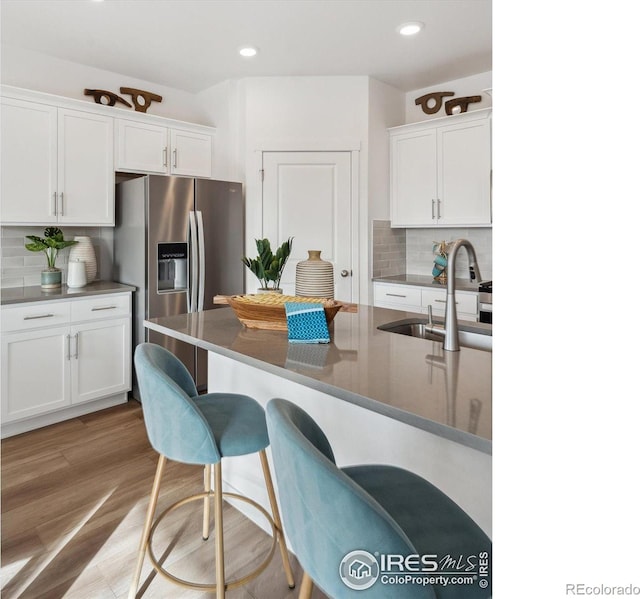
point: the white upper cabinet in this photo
(191, 153)
(57, 165)
(86, 178)
(150, 148)
(441, 172)
(141, 147)
(29, 152)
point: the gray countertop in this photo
(427, 281)
(411, 380)
(21, 295)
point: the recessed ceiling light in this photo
(410, 28)
(248, 51)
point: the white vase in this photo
(83, 250)
(314, 277)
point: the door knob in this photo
(345, 273)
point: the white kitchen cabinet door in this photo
(35, 372)
(86, 178)
(100, 359)
(464, 171)
(28, 135)
(141, 147)
(414, 184)
(191, 153)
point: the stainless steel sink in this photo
(479, 338)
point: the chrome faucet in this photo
(450, 330)
(451, 341)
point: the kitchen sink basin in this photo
(473, 337)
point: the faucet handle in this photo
(429, 315)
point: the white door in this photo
(307, 196)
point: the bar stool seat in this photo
(193, 429)
(341, 522)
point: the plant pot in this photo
(51, 278)
(268, 290)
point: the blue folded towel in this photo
(306, 322)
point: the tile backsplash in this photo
(415, 247)
(20, 267)
(389, 247)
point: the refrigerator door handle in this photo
(193, 247)
(201, 261)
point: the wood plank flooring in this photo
(74, 496)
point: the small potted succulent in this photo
(52, 242)
(268, 267)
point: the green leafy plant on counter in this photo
(266, 266)
(52, 242)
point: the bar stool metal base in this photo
(228, 585)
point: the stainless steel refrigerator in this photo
(180, 241)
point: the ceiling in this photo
(193, 44)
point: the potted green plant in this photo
(268, 267)
(52, 242)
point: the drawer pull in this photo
(395, 295)
(443, 301)
(41, 316)
(104, 308)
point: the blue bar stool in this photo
(193, 429)
(371, 531)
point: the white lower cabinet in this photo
(35, 372)
(51, 371)
(98, 365)
(413, 298)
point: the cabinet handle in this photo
(77, 343)
(104, 308)
(395, 295)
(438, 209)
(433, 209)
(164, 156)
(61, 203)
(175, 158)
(55, 203)
(36, 317)
(443, 302)
(68, 347)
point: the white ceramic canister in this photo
(314, 277)
(76, 274)
(83, 250)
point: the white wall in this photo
(386, 109)
(36, 71)
(225, 106)
(468, 86)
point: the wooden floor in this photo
(74, 496)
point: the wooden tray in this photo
(267, 311)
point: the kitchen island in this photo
(381, 397)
